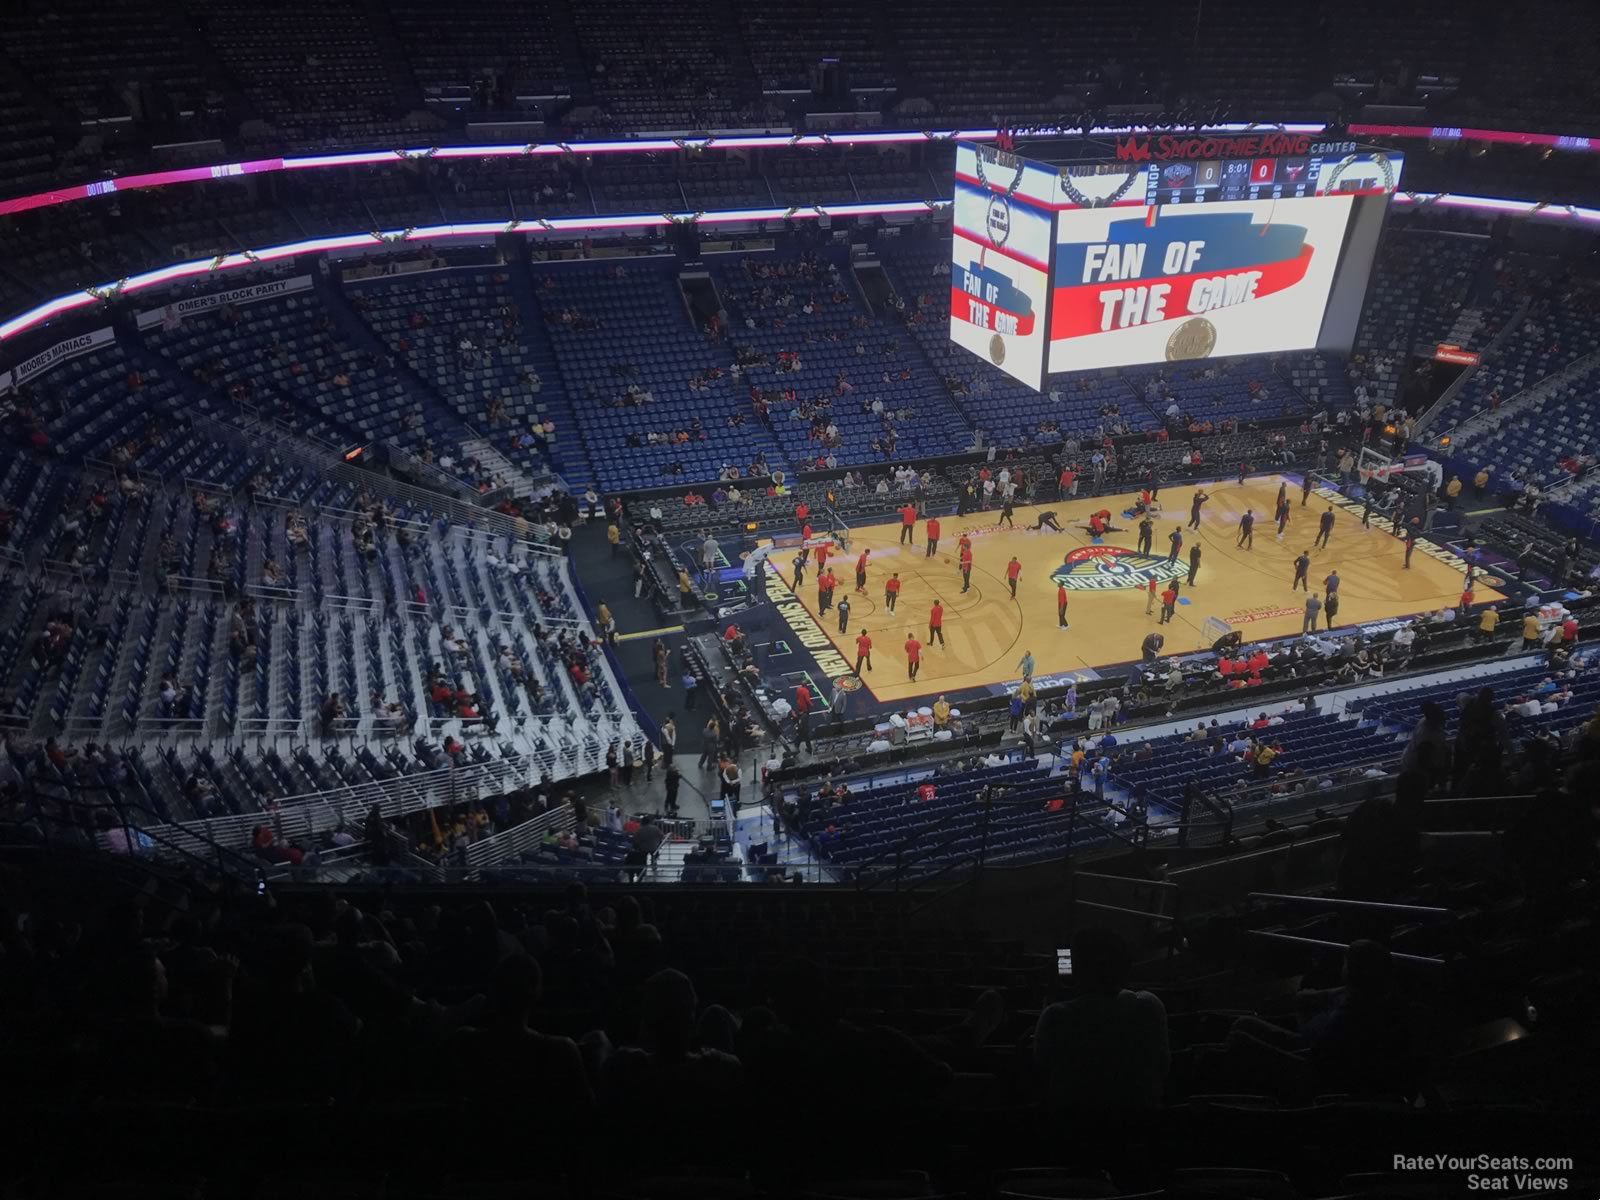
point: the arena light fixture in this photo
(396, 155)
(581, 226)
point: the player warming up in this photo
(936, 623)
(1324, 528)
(1301, 566)
(891, 591)
(1194, 509)
(913, 655)
(1247, 530)
(908, 525)
(863, 651)
(1013, 569)
(932, 537)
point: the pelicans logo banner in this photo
(1111, 568)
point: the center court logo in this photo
(1108, 568)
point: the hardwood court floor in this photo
(987, 632)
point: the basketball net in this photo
(1382, 474)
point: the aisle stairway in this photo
(566, 449)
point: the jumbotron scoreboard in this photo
(1167, 247)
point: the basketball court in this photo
(987, 632)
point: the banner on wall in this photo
(59, 353)
(169, 315)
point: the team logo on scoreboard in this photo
(1112, 568)
(986, 296)
(998, 221)
(1177, 175)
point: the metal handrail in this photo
(1362, 905)
(1155, 883)
(1165, 918)
(1326, 945)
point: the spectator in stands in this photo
(1427, 753)
(1107, 1048)
(670, 1068)
(1352, 1038)
(332, 711)
(1480, 746)
(497, 1057)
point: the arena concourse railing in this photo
(302, 819)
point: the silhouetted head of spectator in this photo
(667, 1016)
(140, 984)
(286, 960)
(1100, 961)
(629, 915)
(515, 989)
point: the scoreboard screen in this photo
(1105, 264)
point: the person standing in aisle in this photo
(669, 740)
(672, 779)
(710, 739)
